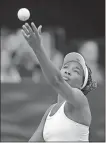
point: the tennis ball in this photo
(23, 14)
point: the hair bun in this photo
(94, 84)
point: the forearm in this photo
(49, 70)
(34, 39)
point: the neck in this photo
(60, 98)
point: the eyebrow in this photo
(77, 69)
(67, 64)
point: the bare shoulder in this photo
(82, 114)
(81, 97)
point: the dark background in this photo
(80, 18)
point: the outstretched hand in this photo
(32, 34)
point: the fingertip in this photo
(23, 26)
(40, 27)
(22, 31)
(32, 23)
(26, 24)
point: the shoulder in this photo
(81, 114)
(82, 99)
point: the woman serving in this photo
(69, 119)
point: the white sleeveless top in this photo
(60, 128)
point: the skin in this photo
(74, 74)
(68, 88)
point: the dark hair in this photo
(91, 85)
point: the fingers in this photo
(25, 29)
(39, 29)
(34, 29)
(28, 28)
(31, 30)
(24, 34)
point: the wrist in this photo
(39, 48)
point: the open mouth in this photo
(65, 78)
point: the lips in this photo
(65, 78)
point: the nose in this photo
(66, 72)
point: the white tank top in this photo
(60, 128)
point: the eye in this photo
(77, 71)
(65, 67)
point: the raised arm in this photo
(34, 40)
(52, 74)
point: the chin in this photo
(74, 86)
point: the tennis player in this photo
(69, 119)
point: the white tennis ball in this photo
(23, 14)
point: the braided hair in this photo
(91, 85)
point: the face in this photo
(73, 74)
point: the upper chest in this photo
(55, 108)
(81, 116)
